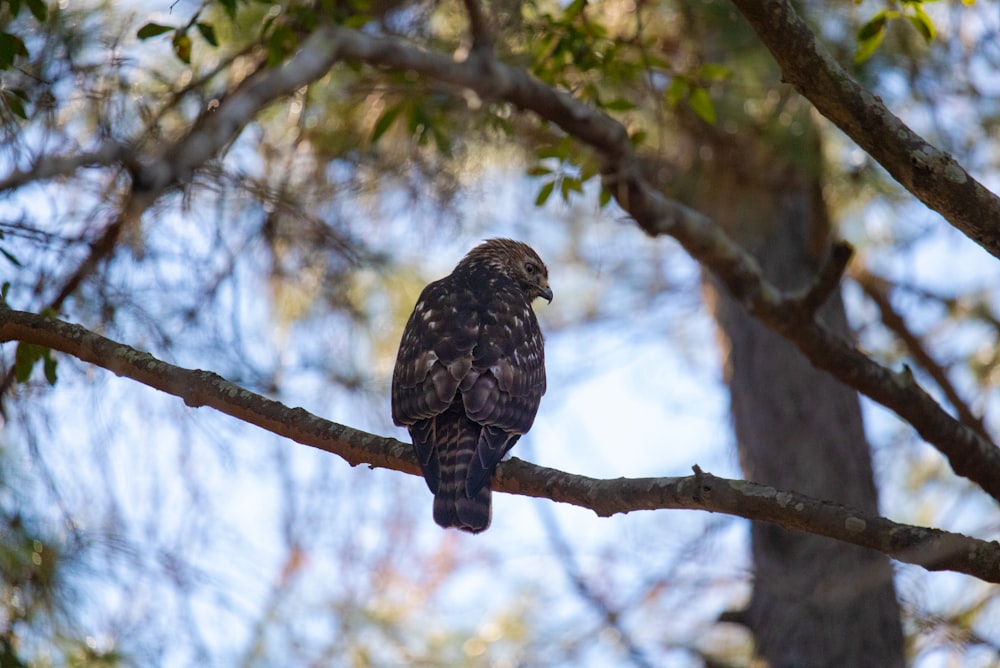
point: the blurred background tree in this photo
(285, 251)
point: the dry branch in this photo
(931, 548)
(933, 176)
(877, 290)
(968, 452)
(52, 167)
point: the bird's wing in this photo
(435, 354)
(506, 382)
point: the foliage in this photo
(39, 568)
(287, 260)
(871, 34)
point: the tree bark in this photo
(933, 176)
(816, 602)
(933, 549)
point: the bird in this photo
(470, 374)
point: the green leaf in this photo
(874, 26)
(569, 184)
(604, 198)
(281, 43)
(208, 33)
(702, 104)
(25, 357)
(560, 151)
(182, 46)
(49, 367)
(38, 9)
(357, 21)
(385, 121)
(11, 46)
(620, 104)
(152, 30)
(16, 105)
(544, 192)
(713, 72)
(418, 122)
(10, 256)
(441, 140)
(573, 9)
(922, 23)
(538, 170)
(871, 34)
(677, 90)
(655, 61)
(544, 51)
(230, 7)
(4, 291)
(868, 47)
(265, 27)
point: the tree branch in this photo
(177, 161)
(808, 300)
(50, 167)
(216, 129)
(100, 250)
(932, 175)
(877, 290)
(969, 454)
(482, 37)
(931, 548)
(610, 617)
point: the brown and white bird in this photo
(470, 373)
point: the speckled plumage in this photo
(470, 374)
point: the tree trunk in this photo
(816, 602)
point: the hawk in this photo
(470, 373)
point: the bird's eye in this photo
(530, 267)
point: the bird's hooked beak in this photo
(547, 293)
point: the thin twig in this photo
(52, 167)
(179, 160)
(482, 36)
(825, 282)
(609, 617)
(877, 290)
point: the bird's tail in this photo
(457, 437)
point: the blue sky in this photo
(207, 506)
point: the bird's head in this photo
(534, 277)
(517, 260)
